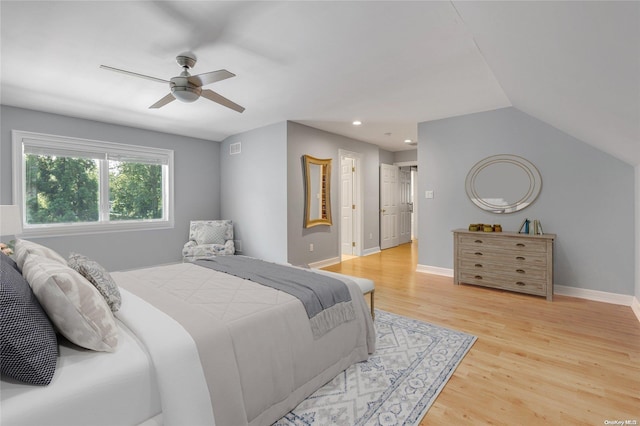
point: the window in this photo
(69, 186)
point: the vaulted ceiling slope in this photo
(574, 65)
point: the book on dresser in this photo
(505, 260)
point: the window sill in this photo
(64, 230)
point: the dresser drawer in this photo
(524, 285)
(512, 269)
(503, 257)
(496, 242)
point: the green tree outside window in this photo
(67, 190)
(61, 189)
(135, 191)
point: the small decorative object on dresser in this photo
(505, 260)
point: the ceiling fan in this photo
(187, 87)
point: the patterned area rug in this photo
(396, 386)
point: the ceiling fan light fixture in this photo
(183, 90)
(185, 94)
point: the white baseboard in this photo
(335, 260)
(596, 295)
(635, 307)
(435, 270)
(582, 293)
(372, 250)
(324, 263)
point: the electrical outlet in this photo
(311, 247)
(428, 194)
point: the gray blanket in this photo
(326, 300)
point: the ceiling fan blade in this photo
(162, 102)
(210, 77)
(215, 97)
(135, 74)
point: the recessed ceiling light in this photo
(408, 141)
(357, 123)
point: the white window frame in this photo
(105, 150)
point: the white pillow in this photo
(24, 248)
(74, 305)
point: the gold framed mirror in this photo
(317, 191)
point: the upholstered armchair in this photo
(208, 238)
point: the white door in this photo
(404, 206)
(414, 199)
(389, 224)
(347, 205)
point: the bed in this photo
(195, 346)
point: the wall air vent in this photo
(235, 148)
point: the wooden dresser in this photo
(505, 260)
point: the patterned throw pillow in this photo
(73, 304)
(99, 277)
(28, 344)
(24, 248)
(214, 232)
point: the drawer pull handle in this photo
(520, 245)
(479, 241)
(478, 253)
(519, 258)
(478, 277)
(520, 283)
(520, 271)
(478, 265)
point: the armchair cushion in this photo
(211, 232)
(208, 238)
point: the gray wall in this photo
(637, 257)
(587, 196)
(386, 157)
(326, 239)
(254, 191)
(405, 156)
(196, 187)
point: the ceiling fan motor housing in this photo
(186, 59)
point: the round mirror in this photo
(503, 183)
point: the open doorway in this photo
(405, 205)
(398, 206)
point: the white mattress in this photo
(88, 389)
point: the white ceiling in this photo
(574, 65)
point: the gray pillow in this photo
(99, 277)
(28, 344)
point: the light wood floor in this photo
(566, 362)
